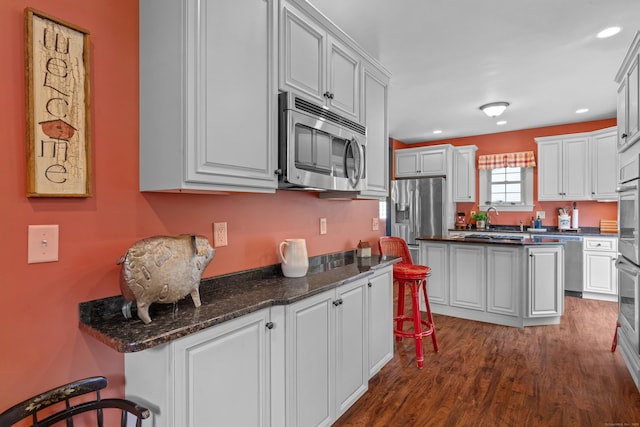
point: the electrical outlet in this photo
(540, 214)
(323, 225)
(472, 213)
(219, 234)
(42, 244)
(375, 225)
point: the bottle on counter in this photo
(533, 223)
(538, 223)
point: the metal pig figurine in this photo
(163, 269)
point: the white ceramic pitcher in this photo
(293, 257)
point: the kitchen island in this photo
(506, 280)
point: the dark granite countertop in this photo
(498, 240)
(497, 228)
(223, 298)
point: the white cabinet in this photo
(327, 365)
(599, 271)
(218, 376)
(198, 91)
(423, 161)
(504, 269)
(604, 156)
(435, 256)
(468, 284)
(545, 281)
(380, 319)
(629, 97)
(316, 65)
(375, 118)
(563, 168)
(464, 173)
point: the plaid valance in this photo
(524, 159)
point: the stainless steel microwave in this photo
(317, 148)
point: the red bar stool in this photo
(406, 273)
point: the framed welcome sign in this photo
(58, 107)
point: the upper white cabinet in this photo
(423, 161)
(317, 65)
(374, 116)
(580, 166)
(604, 157)
(464, 173)
(563, 168)
(629, 97)
(207, 69)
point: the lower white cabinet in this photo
(599, 271)
(217, 376)
(327, 368)
(379, 315)
(510, 285)
(545, 281)
(302, 364)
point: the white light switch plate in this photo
(42, 244)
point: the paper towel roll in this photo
(574, 219)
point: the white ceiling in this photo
(448, 57)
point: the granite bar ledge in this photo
(223, 298)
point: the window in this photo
(508, 189)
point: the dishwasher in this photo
(572, 262)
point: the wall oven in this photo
(629, 208)
(629, 288)
(319, 149)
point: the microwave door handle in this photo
(356, 158)
(362, 159)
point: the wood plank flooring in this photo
(490, 375)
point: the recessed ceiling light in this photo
(501, 122)
(437, 131)
(608, 32)
(582, 110)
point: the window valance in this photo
(524, 159)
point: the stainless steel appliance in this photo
(573, 262)
(628, 263)
(319, 149)
(417, 209)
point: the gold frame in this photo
(58, 107)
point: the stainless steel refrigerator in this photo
(417, 209)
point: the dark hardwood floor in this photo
(490, 375)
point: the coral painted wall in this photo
(42, 346)
(590, 212)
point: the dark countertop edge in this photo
(121, 342)
(523, 242)
(584, 231)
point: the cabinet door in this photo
(434, 255)
(406, 163)
(311, 365)
(575, 164)
(380, 320)
(302, 54)
(503, 280)
(375, 118)
(433, 162)
(221, 374)
(605, 166)
(343, 79)
(352, 371)
(621, 122)
(550, 170)
(464, 174)
(600, 274)
(468, 284)
(545, 283)
(633, 107)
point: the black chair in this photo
(65, 393)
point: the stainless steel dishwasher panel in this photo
(573, 276)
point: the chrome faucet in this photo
(489, 215)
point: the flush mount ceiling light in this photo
(494, 109)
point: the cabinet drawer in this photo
(600, 244)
